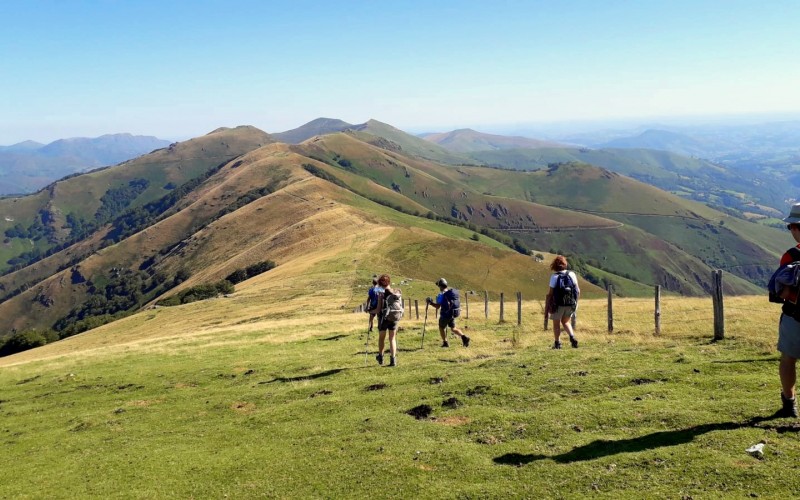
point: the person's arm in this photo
(434, 303)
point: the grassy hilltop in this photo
(266, 393)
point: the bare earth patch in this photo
(452, 421)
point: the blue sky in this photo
(180, 69)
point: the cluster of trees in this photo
(28, 339)
(116, 200)
(199, 292)
(243, 274)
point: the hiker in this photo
(562, 300)
(390, 310)
(373, 294)
(450, 304)
(789, 324)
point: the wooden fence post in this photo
(658, 310)
(519, 308)
(719, 309)
(502, 312)
(466, 299)
(486, 303)
(610, 308)
(416, 307)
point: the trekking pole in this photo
(366, 346)
(424, 323)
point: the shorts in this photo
(445, 322)
(386, 324)
(789, 336)
(562, 312)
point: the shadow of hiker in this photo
(335, 337)
(756, 360)
(603, 448)
(326, 373)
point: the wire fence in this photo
(668, 316)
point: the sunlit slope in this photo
(439, 188)
(719, 240)
(80, 196)
(326, 250)
(300, 212)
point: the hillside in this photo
(691, 178)
(278, 199)
(72, 209)
(662, 140)
(406, 144)
(266, 393)
(468, 140)
(29, 166)
(223, 225)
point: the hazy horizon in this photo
(182, 69)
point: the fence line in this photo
(717, 296)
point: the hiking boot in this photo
(789, 407)
(392, 361)
(379, 357)
(465, 340)
(556, 345)
(574, 342)
(445, 344)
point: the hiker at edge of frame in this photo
(562, 300)
(389, 313)
(449, 304)
(789, 323)
(373, 295)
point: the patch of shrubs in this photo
(244, 274)
(199, 292)
(22, 341)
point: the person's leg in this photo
(393, 345)
(381, 339)
(371, 320)
(788, 373)
(457, 331)
(443, 332)
(556, 330)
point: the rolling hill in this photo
(320, 126)
(29, 166)
(115, 240)
(468, 140)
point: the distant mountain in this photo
(21, 147)
(320, 126)
(663, 140)
(466, 140)
(29, 166)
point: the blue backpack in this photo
(451, 304)
(565, 293)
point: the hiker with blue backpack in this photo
(390, 311)
(562, 300)
(449, 304)
(372, 299)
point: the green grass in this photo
(284, 410)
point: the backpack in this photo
(373, 294)
(787, 275)
(565, 292)
(451, 304)
(392, 307)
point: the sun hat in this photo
(794, 215)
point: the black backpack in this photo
(451, 304)
(565, 293)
